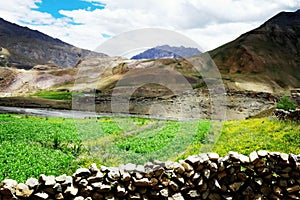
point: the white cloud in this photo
(210, 23)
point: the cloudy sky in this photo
(88, 23)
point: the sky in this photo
(88, 23)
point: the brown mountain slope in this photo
(22, 47)
(268, 55)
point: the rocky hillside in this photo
(166, 51)
(23, 48)
(267, 57)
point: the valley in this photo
(63, 108)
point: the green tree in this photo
(286, 103)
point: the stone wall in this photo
(293, 115)
(295, 96)
(261, 175)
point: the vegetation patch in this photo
(245, 136)
(30, 146)
(57, 95)
(286, 103)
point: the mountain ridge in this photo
(166, 51)
(269, 53)
(27, 48)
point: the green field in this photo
(30, 146)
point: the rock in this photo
(178, 168)
(97, 195)
(40, 195)
(186, 166)
(32, 183)
(205, 194)
(275, 176)
(242, 176)
(203, 158)
(293, 189)
(206, 173)
(284, 157)
(59, 196)
(164, 192)
(277, 191)
(214, 196)
(61, 178)
(235, 186)
(244, 159)
(125, 176)
(169, 165)
(213, 156)
(8, 187)
(262, 153)
(158, 170)
(254, 157)
(193, 160)
(104, 169)
(138, 175)
(83, 183)
(68, 181)
(79, 198)
(174, 186)
(57, 188)
(233, 155)
(93, 168)
(144, 182)
(98, 177)
(135, 196)
(131, 187)
(72, 190)
(213, 167)
(140, 169)
(96, 185)
(177, 196)
(121, 191)
(82, 172)
(130, 167)
(50, 181)
(105, 188)
(43, 178)
(153, 182)
(293, 158)
(23, 190)
(194, 194)
(196, 176)
(86, 191)
(113, 174)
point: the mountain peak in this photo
(167, 51)
(29, 47)
(285, 19)
(270, 53)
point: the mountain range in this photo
(265, 59)
(22, 47)
(268, 54)
(166, 51)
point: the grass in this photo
(250, 135)
(57, 95)
(30, 146)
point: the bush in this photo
(286, 103)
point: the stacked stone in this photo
(293, 115)
(262, 175)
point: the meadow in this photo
(30, 145)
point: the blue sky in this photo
(54, 6)
(88, 23)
